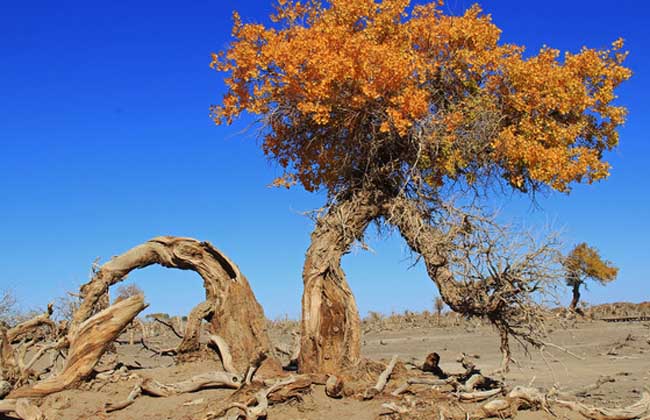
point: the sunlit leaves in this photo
(329, 78)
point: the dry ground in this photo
(620, 350)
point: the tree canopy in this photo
(584, 262)
(381, 95)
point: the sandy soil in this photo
(619, 350)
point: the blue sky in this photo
(105, 142)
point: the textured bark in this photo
(421, 237)
(87, 344)
(331, 328)
(230, 305)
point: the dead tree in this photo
(230, 305)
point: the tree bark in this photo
(331, 328)
(413, 224)
(230, 305)
(87, 344)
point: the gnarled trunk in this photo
(331, 328)
(421, 237)
(230, 305)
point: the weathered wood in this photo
(330, 326)
(230, 304)
(130, 399)
(87, 344)
(381, 381)
(636, 410)
(195, 383)
(477, 396)
(30, 325)
(224, 353)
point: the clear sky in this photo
(105, 142)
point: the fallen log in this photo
(195, 383)
(87, 344)
(30, 325)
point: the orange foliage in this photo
(329, 78)
(585, 262)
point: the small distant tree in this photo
(439, 305)
(128, 290)
(582, 263)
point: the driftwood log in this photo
(230, 305)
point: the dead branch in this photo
(583, 392)
(135, 393)
(224, 353)
(260, 409)
(381, 381)
(565, 350)
(170, 326)
(477, 396)
(636, 410)
(195, 383)
(394, 408)
(87, 344)
(254, 365)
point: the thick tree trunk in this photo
(576, 296)
(331, 328)
(230, 304)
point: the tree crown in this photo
(585, 262)
(353, 93)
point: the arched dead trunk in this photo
(331, 328)
(230, 304)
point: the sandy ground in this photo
(619, 350)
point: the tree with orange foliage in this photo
(582, 263)
(389, 108)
